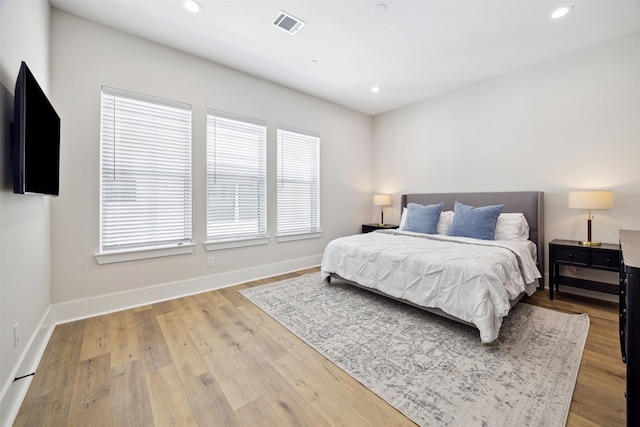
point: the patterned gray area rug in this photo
(433, 370)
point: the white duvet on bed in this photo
(470, 279)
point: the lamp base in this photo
(589, 243)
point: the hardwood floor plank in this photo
(185, 356)
(169, 402)
(221, 354)
(238, 386)
(203, 334)
(208, 402)
(129, 399)
(97, 335)
(597, 406)
(249, 337)
(256, 413)
(168, 306)
(604, 384)
(215, 298)
(576, 420)
(90, 399)
(232, 295)
(607, 364)
(153, 348)
(125, 347)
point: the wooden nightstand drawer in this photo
(572, 255)
(606, 260)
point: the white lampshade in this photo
(593, 199)
(382, 200)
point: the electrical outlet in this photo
(16, 334)
(210, 261)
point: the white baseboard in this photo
(13, 392)
(103, 304)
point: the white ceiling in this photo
(413, 50)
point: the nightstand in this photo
(571, 253)
(367, 228)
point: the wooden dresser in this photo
(630, 319)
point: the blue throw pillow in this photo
(423, 219)
(479, 223)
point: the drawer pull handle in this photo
(570, 255)
(608, 259)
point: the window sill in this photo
(228, 244)
(302, 236)
(143, 253)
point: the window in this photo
(298, 182)
(236, 177)
(145, 176)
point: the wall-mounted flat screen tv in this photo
(35, 139)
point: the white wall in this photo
(86, 56)
(570, 123)
(25, 289)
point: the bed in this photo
(472, 280)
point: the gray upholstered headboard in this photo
(530, 203)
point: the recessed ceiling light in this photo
(561, 11)
(375, 89)
(379, 8)
(192, 6)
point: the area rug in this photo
(433, 370)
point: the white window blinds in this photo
(236, 177)
(145, 171)
(298, 182)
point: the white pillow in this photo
(444, 222)
(511, 226)
(403, 219)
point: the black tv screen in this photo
(35, 146)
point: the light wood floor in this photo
(214, 359)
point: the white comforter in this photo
(470, 279)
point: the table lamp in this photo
(592, 199)
(382, 200)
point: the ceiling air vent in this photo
(288, 23)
